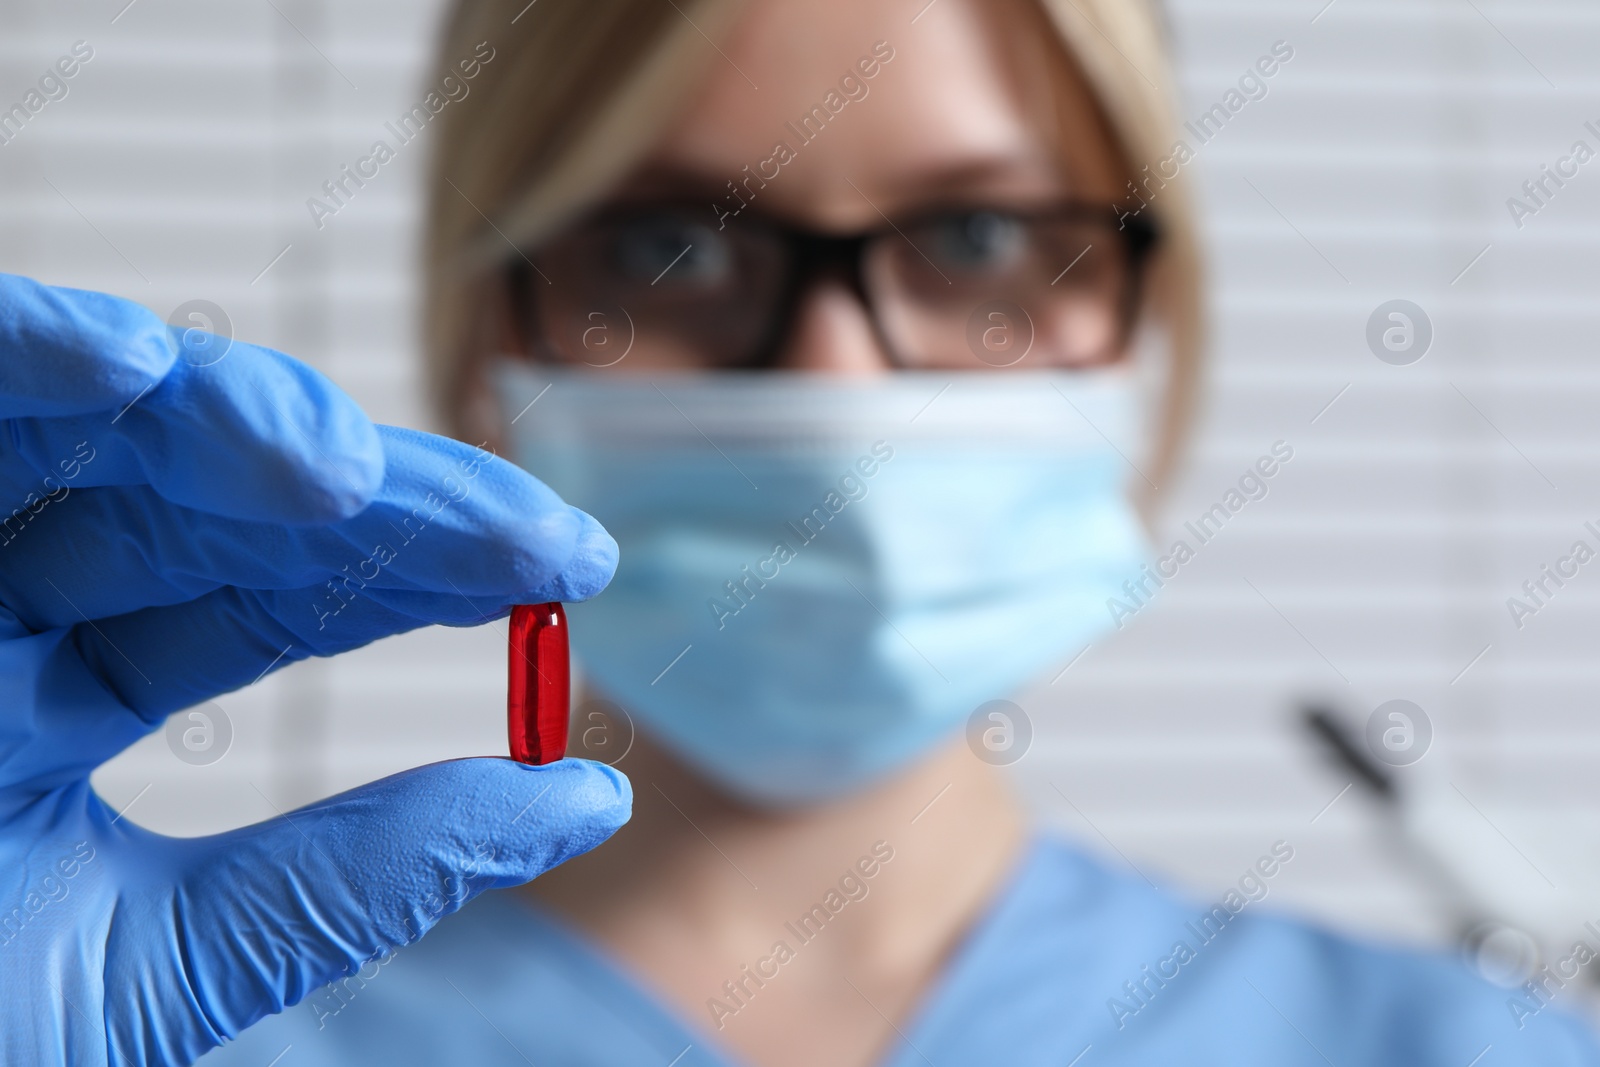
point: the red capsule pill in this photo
(537, 698)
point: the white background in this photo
(1377, 167)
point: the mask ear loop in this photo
(496, 337)
(1143, 238)
(1148, 368)
(520, 314)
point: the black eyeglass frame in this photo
(812, 255)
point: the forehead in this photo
(947, 111)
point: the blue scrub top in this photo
(1073, 965)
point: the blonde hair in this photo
(580, 87)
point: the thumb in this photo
(275, 911)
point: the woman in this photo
(824, 310)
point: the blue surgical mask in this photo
(822, 578)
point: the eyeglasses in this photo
(666, 288)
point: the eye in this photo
(979, 240)
(667, 250)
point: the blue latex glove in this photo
(179, 529)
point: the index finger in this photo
(256, 435)
(68, 351)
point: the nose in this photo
(833, 334)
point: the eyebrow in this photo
(991, 173)
(653, 181)
(1033, 179)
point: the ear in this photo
(496, 334)
(478, 419)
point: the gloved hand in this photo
(171, 531)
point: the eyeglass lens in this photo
(959, 291)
